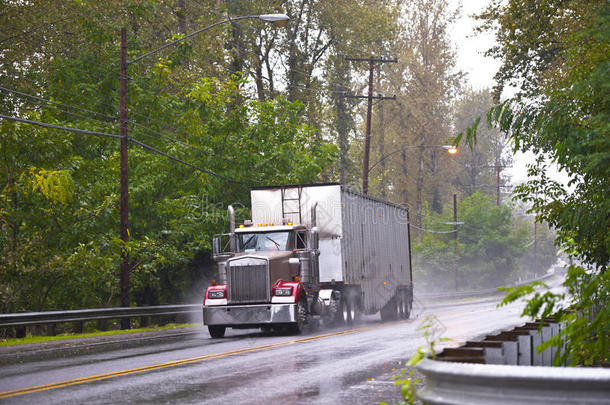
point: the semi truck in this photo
(310, 255)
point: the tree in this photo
(59, 192)
(425, 82)
(476, 165)
(562, 112)
(490, 243)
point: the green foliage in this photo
(39, 339)
(488, 247)
(583, 336)
(566, 119)
(59, 195)
(407, 382)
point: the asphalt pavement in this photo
(348, 365)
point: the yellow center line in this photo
(98, 377)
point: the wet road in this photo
(345, 365)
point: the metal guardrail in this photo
(21, 320)
(81, 315)
(506, 368)
(478, 293)
(474, 384)
(513, 347)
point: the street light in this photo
(451, 149)
(279, 20)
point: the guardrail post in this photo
(494, 353)
(102, 324)
(536, 341)
(547, 354)
(554, 332)
(525, 350)
(78, 326)
(20, 332)
(509, 346)
(51, 329)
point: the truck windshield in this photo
(250, 242)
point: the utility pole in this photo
(455, 235)
(535, 247)
(125, 300)
(370, 97)
(279, 20)
(498, 168)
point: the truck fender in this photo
(297, 292)
(326, 296)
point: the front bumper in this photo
(249, 315)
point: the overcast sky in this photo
(480, 70)
(470, 47)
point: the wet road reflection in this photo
(332, 367)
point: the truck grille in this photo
(248, 284)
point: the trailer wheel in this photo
(216, 331)
(344, 314)
(406, 311)
(297, 327)
(399, 305)
(354, 310)
(390, 311)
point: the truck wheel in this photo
(406, 312)
(399, 305)
(354, 310)
(216, 331)
(389, 311)
(297, 327)
(344, 316)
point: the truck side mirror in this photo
(295, 265)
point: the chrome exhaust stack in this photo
(232, 227)
(219, 245)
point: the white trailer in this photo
(351, 254)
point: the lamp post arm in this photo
(404, 149)
(391, 154)
(192, 34)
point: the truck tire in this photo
(399, 305)
(343, 316)
(216, 331)
(354, 310)
(389, 311)
(297, 327)
(406, 305)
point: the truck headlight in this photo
(216, 294)
(282, 292)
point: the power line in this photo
(66, 93)
(430, 231)
(370, 97)
(143, 145)
(56, 103)
(30, 31)
(44, 124)
(152, 149)
(186, 144)
(68, 112)
(71, 113)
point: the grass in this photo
(41, 339)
